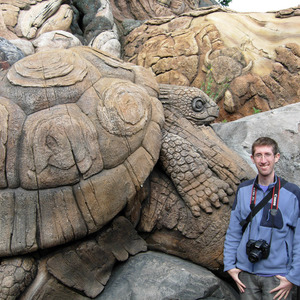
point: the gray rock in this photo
(10, 52)
(130, 24)
(25, 46)
(156, 276)
(281, 124)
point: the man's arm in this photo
(294, 273)
(232, 239)
(293, 276)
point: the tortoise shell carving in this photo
(80, 133)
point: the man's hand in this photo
(283, 289)
(234, 273)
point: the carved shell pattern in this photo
(80, 133)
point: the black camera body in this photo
(257, 250)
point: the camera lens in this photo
(255, 255)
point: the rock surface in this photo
(9, 54)
(247, 62)
(152, 276)
(85, 267)
(244, 61)
(148, 9)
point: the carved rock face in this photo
(80, 133)
(226, 64)
(146, 9)
(241, 69)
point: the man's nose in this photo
(263, 159)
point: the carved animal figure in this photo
(197, 172)
(188, 105)
(80, 133)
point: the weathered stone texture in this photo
(237, 59)
(81, 132)
(16, 274)
(72, 157)
(162, 276)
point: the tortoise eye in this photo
(197, 104)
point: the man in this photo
(264, 260)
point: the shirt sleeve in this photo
(294, 273)
(233, 236)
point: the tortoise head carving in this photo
(190, 102)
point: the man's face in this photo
(264, 160)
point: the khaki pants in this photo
(258, 287)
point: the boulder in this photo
(157, 276)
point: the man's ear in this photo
(252, 158)
(277, 156)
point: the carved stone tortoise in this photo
(80, 131)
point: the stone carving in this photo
(80, 133)
(221, 68)
(55, 39)
(98, 25)
(175, 39)
(226, 64)
(289, 12)
(184, 214)
(193, 49)
(144, 10)
(86, 266)
(188, 168)
(78, 126)
(31, 20)
(89, 23)
(16, 274)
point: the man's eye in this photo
(266, 155)
(197, 104)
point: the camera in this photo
(257, 250)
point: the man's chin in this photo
(264, 172)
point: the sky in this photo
(261, 5)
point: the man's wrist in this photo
(227, 268)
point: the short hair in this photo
(265, 141)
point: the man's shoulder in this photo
(246, 183)
(293, 188)
(244, 188)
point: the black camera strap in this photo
(274, 194)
